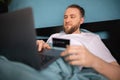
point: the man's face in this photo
(72, 20)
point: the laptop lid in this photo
(18, 38)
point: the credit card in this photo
(59, 42)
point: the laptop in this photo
(18, 40)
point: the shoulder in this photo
(91, 35)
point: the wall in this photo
(50, 12)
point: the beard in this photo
(70, 30)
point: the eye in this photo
(73, 16)
(65, 17)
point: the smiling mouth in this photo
(68, 25)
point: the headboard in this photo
(108, 31)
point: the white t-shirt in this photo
(90, 40)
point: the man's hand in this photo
(42, 45)
(79, 55)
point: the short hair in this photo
(82, 11)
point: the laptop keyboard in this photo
(46, 59)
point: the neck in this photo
(77, 31)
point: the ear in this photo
(82, 20)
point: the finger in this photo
(70, 50)
(47, 46)
(75, 62)
(40, 47)
(40, 44)
(72, 57)
(64, 53)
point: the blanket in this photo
(59, 70)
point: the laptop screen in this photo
(18, 37)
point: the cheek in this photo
(75, 20)
(64, 22)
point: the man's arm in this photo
(81, 56)
(110, 70)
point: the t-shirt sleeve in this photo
(99, 49)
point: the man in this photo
(85, 49)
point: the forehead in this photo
(72, 11)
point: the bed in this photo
(59, 70)
(108, 31)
